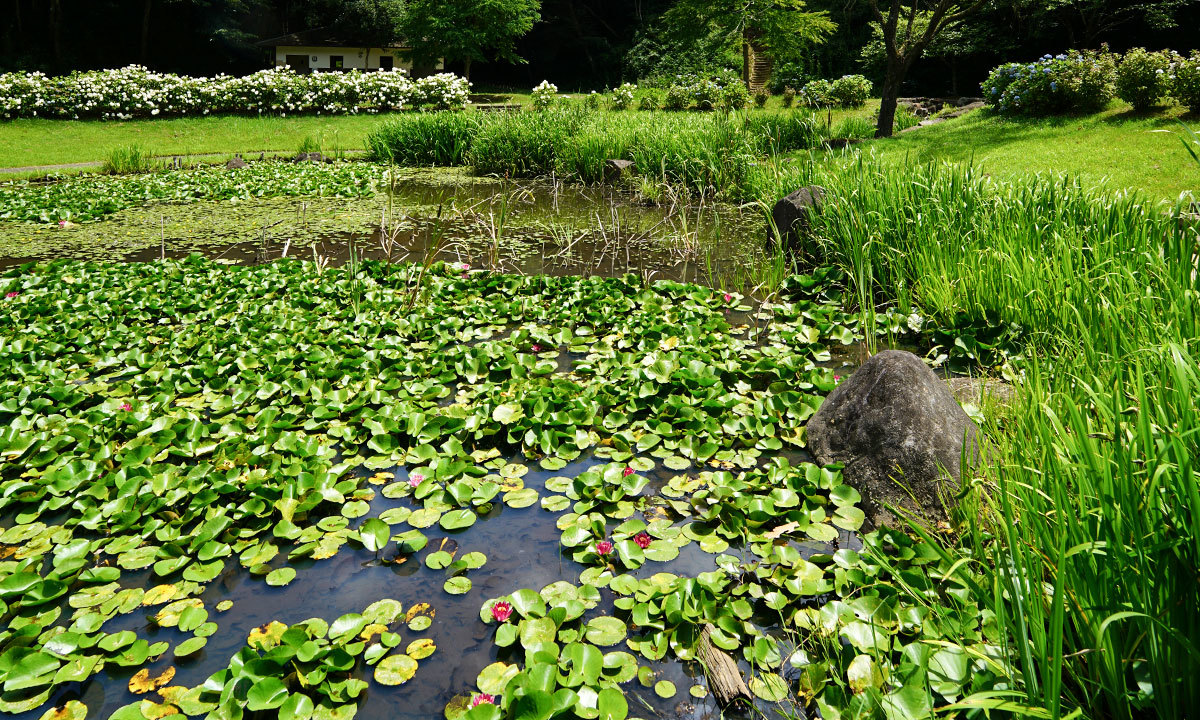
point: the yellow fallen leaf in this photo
(142, 682)
(267, 636)
(153, 711)
(372, 630)
(419, 609)
(158, 595)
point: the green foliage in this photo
(427, 139)
(128, 160)
(1144, 79)
(309, 145)
(851, 91)
(783, 26)
(1101, 287)
(470, 30)
(82, 198)
(818, 94)
(1186, 86)
(1075, 82)
(735, 96)
(706, 153)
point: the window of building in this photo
(386, 62)
(337, 62)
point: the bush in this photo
(1186, 88)
(135, 91)
(678, 98)
(760, 99)
(707, 93)
(592, 101)
(734, 96)
(543, 95)
(1075, 82)
(789, 97)
(622, 98)
(851, 91)
(1144, 78)
(650, 101)
(817, 94)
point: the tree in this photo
(467, 30)
(1087, 21)
(904, 41)
(770, 28)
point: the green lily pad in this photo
(395, 670)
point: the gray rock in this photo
(900, 434)
(617, 170)
(790, 218)
(235, 163)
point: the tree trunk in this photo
(747, 56)
(145, 47)
(887, 104)
(724, 678)
(55, 21)
(467, 69)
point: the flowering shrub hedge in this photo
(851, 91)
(818, 93)
(1144, 78)
(622, 98)
(543, 95)
(1186, 88)
(135, 91)
(1078, 81)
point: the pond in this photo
(210, 450)
(527, 227)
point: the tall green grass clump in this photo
(425, 139)
(1086, 530)
(706, 153)
(525, 144)
(127, 160)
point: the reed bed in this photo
(1085, 530)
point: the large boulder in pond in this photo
(791, 218)
(900, 434)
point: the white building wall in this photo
(352, 58)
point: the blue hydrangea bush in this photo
(1080, 81)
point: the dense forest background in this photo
(578, 44)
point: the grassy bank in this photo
(1115, 149)
(1084, 535)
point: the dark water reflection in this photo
(522, 549)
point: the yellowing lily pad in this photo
(395, 670)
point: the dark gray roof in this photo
(322, 37)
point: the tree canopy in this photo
(467, 30)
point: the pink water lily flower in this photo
(728, 297)
(604, 547)
(642, 539)
(483, 699)
(416, 480)
(535, 347)
(837, 378)
(12, 294)
(126, 406)
(627, 471)
(62, 223)
(502, 611)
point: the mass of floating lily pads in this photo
(164, 423)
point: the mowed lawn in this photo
(1116, 148)
(30, 142)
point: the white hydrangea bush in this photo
(543, 95)
(135, 91)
